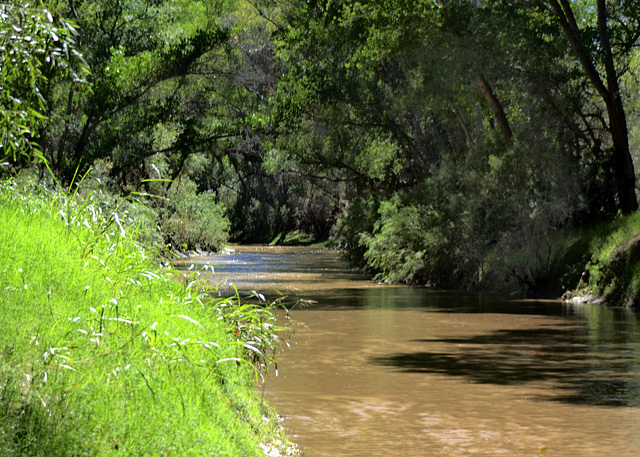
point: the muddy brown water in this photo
(375, 370)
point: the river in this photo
(378, 370)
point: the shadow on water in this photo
(589, 355)
(591, 358)
(581, 370)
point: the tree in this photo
(36, 44)
(145, 57)
(450, 113)
(607, 87)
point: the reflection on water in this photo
(271, 269)
(399, 371)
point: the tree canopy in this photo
(430, 138)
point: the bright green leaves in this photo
(397, 247)
(35, 44)
(124, 75)
(386, 27)
(151, 61)
(87, 361)
(381, 159)
(193, 220)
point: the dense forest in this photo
(445, 142)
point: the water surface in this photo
(375, 370)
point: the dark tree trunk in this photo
(625, 172)
(610, 94)
(498, 110)
(463, 125)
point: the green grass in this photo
(602, 259)
(614, 269)
(103, 353)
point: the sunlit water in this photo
(375, 370)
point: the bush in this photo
(411, 244)
(360, 218)
(193, 220)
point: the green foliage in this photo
(181, 219)
(372, 108)
(485, 226)
(440, 143)
(600, 261)
(613, 271)
(147, 58)
(35, 42)
(631, 87)
(381, 159)
(399, 245)
(101, 348)
(416, 243)
(193, 221)
(359, 218)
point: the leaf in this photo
(190, 320)
(253, 349)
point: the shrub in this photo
(411, 244)
(192, 220)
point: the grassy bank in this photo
(102, 353)
(601, 260)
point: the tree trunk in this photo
(610, 94)
(422, 143)
(625, 172)
(624, 169)
(498, 110)
(463, 125)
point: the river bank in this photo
(377, 369)
(103, 353)
(597, 264)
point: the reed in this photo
(103, 353)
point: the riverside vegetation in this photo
(482, 145)
(457, 143)
(105, 353)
